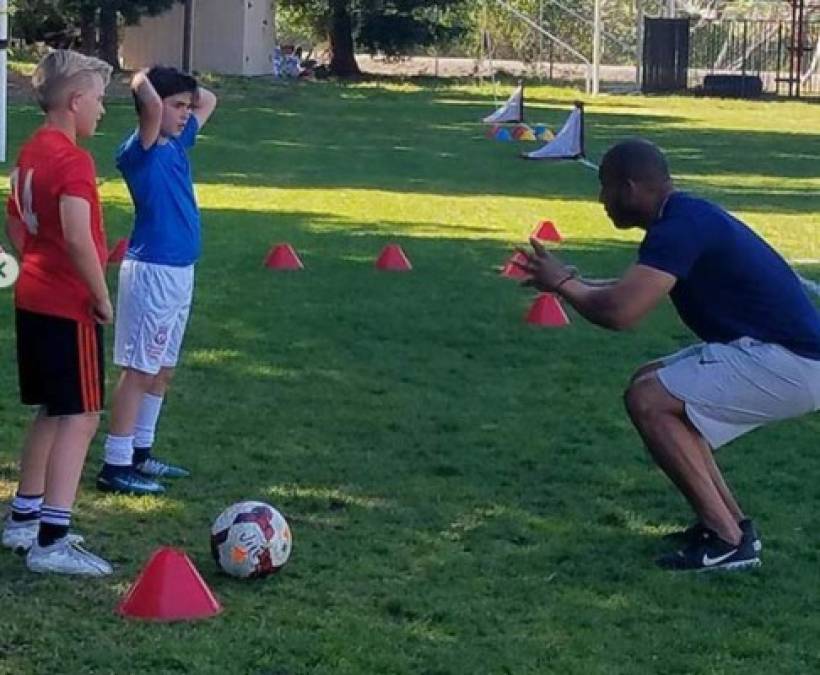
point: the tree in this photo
(41, 21)
(64, 23)
(340, 36)
(386, 26)
(110, 12)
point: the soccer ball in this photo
(250, 540)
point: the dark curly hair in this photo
(169, 81)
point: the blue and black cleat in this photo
(154, 467)
(127, 481)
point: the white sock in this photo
(26, 507)
(147, 417)
(119, 450)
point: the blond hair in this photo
(61, 69)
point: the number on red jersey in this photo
(24, 200)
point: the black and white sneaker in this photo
(710, 552)
(695, 532)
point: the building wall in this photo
(219, 34)
(157, 39)
(259, 37)
(233, 37)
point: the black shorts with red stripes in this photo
(60, 362)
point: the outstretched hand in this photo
(546, 272)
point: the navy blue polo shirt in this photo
(730, 282)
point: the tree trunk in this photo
(342, 56)
(188, 37)
(88, 31)
(109, 36)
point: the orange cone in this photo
(118, 252)
(393, 259)
(283, 257)
(511, 271)
(169, 588)
(546, 231)
(547, 311)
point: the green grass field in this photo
(466, 493)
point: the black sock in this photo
(49, 533)
(111, 470)
(53, 525)
(141, 455)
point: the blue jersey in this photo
(730, 283)
(166, 223)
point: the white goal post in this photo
(4, 41)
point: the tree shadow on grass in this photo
(412, 141)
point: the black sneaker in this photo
(683, 537)
(695, 532)
(710, 552)
(127, 481)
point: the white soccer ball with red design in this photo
(250, 540)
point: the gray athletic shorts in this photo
(732, 389)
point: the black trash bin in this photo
(733, 86)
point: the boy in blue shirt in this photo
(759, 360)
(157, 276)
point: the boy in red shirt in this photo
(61, 302)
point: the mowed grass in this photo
(466, 493)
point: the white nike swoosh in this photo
(710, 562)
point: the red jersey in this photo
(50, 165)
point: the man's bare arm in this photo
(622, 305)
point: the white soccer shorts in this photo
(153, 305)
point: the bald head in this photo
(637, 160)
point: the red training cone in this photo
(283, 257)
(393, 259)
(546, 231)
(511, 271)
(169, 588)
(118, 252)
(547, 311)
